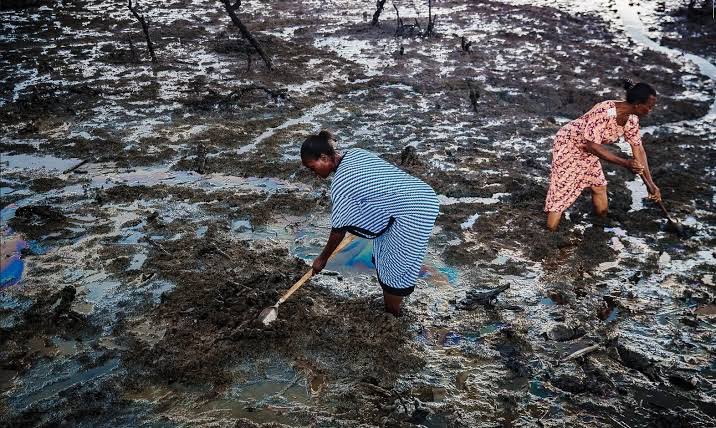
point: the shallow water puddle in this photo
(21, 162)
(265, 391)
(45, 380)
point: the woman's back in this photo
(368, 188)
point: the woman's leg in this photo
(392, 303)
(600, 201)
(553, 219)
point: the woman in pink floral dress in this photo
(579, 145)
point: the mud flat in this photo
(150, 212)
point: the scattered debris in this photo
(481, 297)
(582, 352)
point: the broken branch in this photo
(378, 10)
(156, 245)
(431, 20)
(145, 29)
(231, 10)
(69, 170)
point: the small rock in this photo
(684, 382)
(569, 378)
(563, 333)
(688, 321)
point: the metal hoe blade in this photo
(676, 227)
(269, 315)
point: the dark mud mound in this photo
(211, 321)
(594, 246)
(520, 224)
(44, 184)
(681, 165)
(35, 221)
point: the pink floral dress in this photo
(574, 169)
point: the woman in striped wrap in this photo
(376, 200)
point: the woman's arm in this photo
(640, 154)
(604, 153)
(597, 120)
(334, 239)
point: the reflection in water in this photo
(613, 315)
(47, 380)
(11, 265)
(358, 257)
(538, 389)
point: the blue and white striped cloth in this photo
(377, 200)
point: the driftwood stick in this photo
(200, 163)
(474, 96)
(69, 170)
(220, 251)
(582, 352)
(431, 21)
(145, 29)
(378, 10)
(231, 10)
(398, 19)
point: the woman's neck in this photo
(337, 161)
(624, 108)
(624, 111)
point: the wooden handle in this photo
(344, 243)
(661, 205)
(666, 213)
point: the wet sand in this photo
(131, 283)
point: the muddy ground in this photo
(150, 212)
(690, 29)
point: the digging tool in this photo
(672, 224)
(270, 314)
